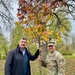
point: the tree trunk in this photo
(44, 50)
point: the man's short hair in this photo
(23, 38)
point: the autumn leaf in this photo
(44, 38)
(30, 17)
(18, 14)
(17, 23)
(28, 8)
(58, 37)
(53, 3)
(21, 1)
(23, 22)
(62, 30)
(44, 6)
(48, 17)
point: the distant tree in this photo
(73, 41)
(15, 35)
(3, 46)
(6, 16)
(5, 12)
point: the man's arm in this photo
(33, 57)
(61, 65)
(8, 63)
(43, 62)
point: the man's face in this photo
(51, 48)
(22, 43)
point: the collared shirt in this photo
(25, 62)
(23, 51)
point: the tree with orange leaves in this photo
(35, 15)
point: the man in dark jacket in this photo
(18, 60)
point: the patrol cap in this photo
(52, 42)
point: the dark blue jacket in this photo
(14, 62)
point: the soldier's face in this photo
(51, 48)
(22, 43)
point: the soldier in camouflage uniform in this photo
(55, 62)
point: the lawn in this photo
(2, 67)
(70, 67)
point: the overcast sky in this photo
(73, 26)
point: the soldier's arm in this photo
(61, 65)
(43, 62)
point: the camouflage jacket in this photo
(55, 63)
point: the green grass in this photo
(69, 70)
(69, 56)
(35, 68)
(70, 66)
(2, 67)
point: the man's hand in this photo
(40, 58)
(40, 49)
